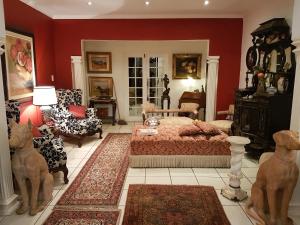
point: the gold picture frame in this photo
(20, 65)
(99, 62)
(101, 87)
(187, 65)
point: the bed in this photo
(168, 149)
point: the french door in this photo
(145, 74)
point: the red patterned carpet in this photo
(101, 180)
(60, 217)
(173, 205)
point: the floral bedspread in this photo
(168, 142)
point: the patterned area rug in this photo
(171, 204)
(101, 179)
(60, 217)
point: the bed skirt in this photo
(179, 161)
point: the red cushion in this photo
(36, 132)
(78, 111)
(189, 130)
(207, 128)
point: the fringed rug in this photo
(101, 179)
(172, 204)
(61, 217)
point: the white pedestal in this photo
(233, 190)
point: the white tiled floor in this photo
(217, 178)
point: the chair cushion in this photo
(223, 125)
(189, 107)
(78, 111)
(149, 107)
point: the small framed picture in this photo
(98, 62)
(101, 87)
(186, 65)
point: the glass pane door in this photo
(135, 72)
(155, 83)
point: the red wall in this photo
(225, 37)
(57, 40)
(22, 17)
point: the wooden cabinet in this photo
(260, 117)
(264, 107)
(102, 113)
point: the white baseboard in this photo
(294, 210)
(9, 206)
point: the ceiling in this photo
(79, 9)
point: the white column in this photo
(8, 200)
(78, 77)
(212, 85)
(2, 24)
(295, 123)
(295, 118)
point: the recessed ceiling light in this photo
(90, 3)
(147, 3)
(206, 2)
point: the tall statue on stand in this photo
(166, 81)
(165, 94)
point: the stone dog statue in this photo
(29, 164)
(276, 179)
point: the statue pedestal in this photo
(233, 191)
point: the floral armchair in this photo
(69, 125)
(50, 146)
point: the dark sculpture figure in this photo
(165, 94)
(166, 81)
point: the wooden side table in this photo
(97, 101)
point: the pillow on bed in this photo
(207, 128)
(189, 130)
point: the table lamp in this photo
(44, 96)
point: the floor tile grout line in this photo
(246, 214)
(170, 176)
(195, 176)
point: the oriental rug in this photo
(173, 204)
(101, 179)
(61, 217)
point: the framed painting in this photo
(20, 65)
(101, 87)
(99, 62)
(186, 65)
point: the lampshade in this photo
(44, 95)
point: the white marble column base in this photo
(235, 194)
(9, 206)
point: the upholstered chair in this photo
(225, 125)
(72, 119)
(49, 146)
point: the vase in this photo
(261, 88)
